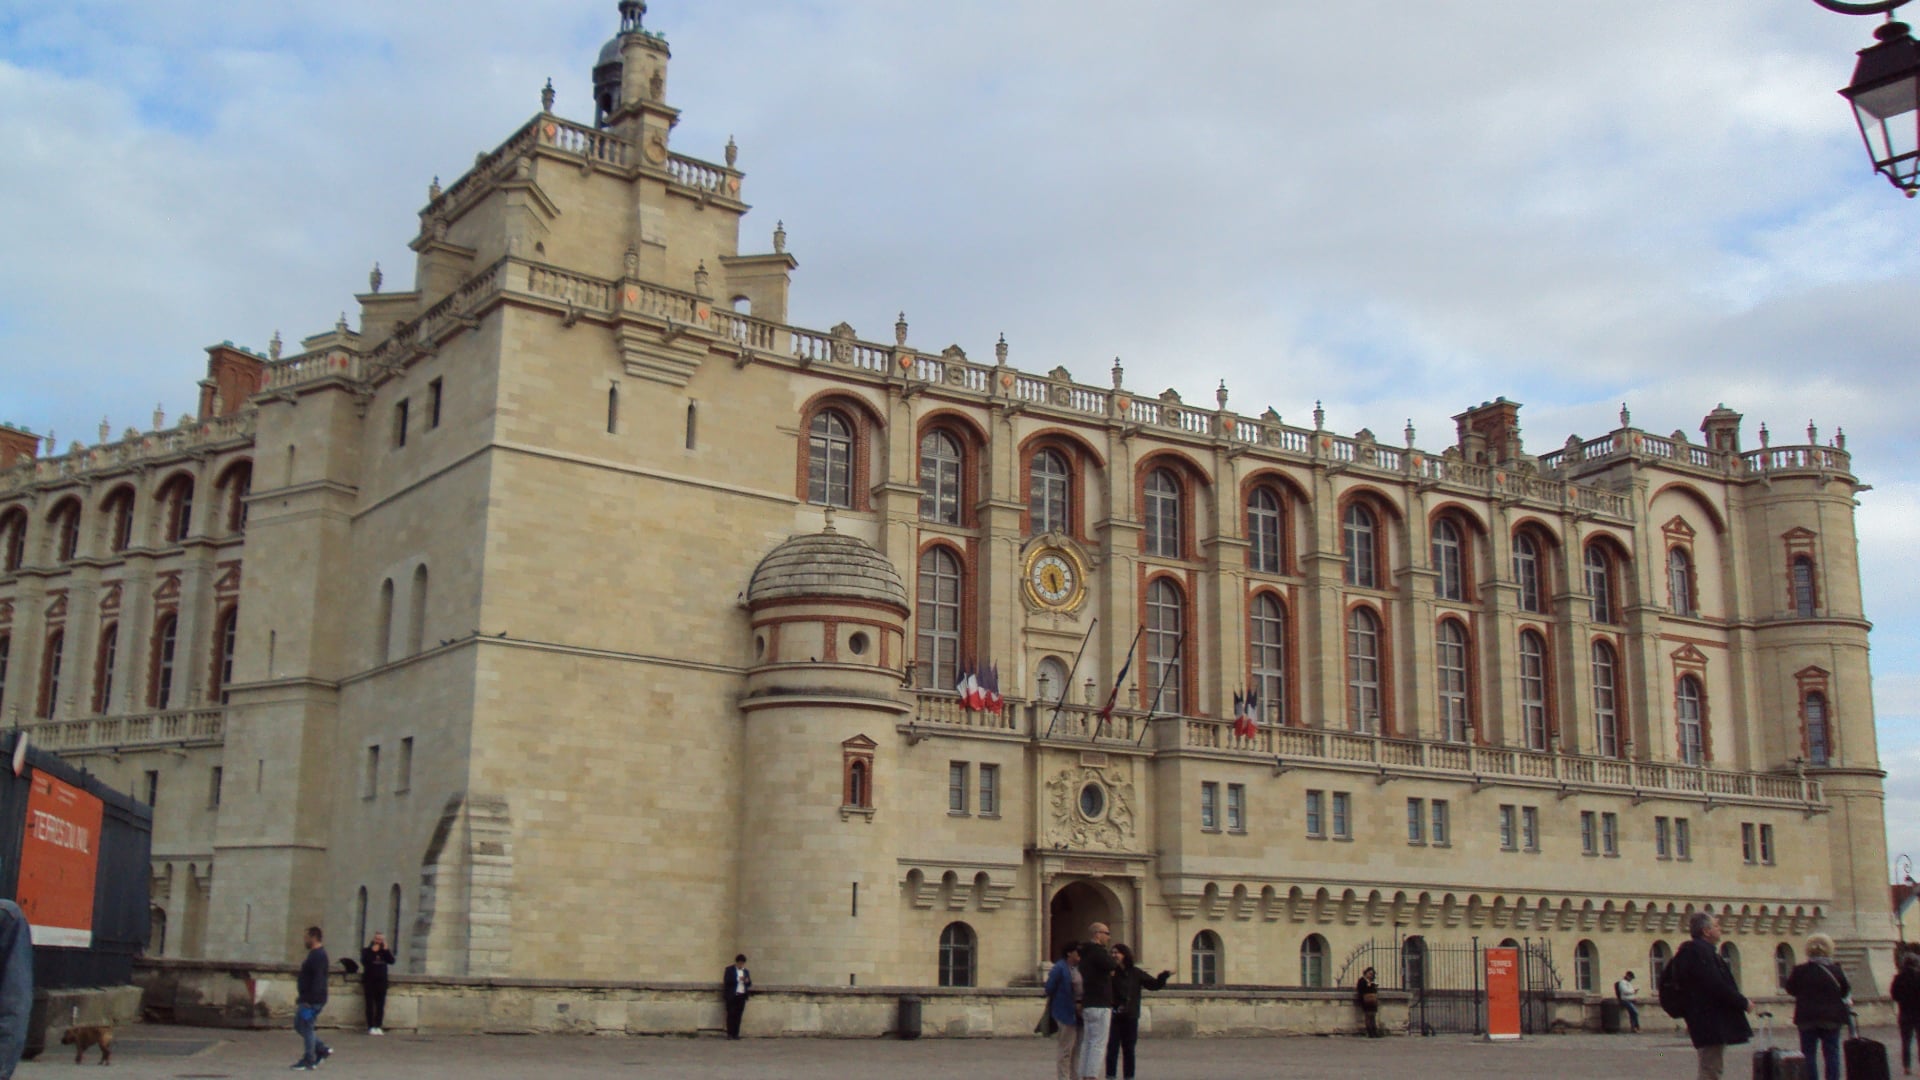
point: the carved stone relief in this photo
(1090, 807)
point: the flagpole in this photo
(1068, 689)
(1147, 721)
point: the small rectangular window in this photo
(989, 790)
(1237, 808)
(1316, 820)
(400, 423)
(1682, 838)
(693, 424)
(1507, 818)
(1342, 816)
(153, 787)
(1530, 827)
(1589, 834)
(405, 779)
(213, 787)
(1442, 825)
(1210, 806)
(1662, 844)
(956, 787)
(433, 404)
(1416, 821)
(370, 783)
(1610, 835)
(1749, 847)
(1766, 844)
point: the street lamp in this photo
(1885, 95)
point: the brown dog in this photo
(91, 1035)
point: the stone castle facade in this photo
(577, 617)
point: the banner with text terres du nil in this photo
(59, 856)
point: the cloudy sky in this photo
(1400, 209)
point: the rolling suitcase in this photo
(1772, 1063)
(1865, 1059)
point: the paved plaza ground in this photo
(176, 1053)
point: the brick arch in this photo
(1192, 482)
(1189, 656)
(1082, 461)
(1476, 548)
(1695, 496)
(867, 425)
(1289, 646)
(1476, 729)
(964, 553)
(1293, 499)
(973, 455)
(1385, 663)
(1386, 516)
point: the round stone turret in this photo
(826, 566)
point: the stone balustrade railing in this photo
(1767, 461)
(166, 728)
(150, 446)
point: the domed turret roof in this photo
(826, 565)
(610, 52)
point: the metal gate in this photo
(1445, 994)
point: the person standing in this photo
(1820, 1010)
(1906, 994)
(16, 985)
(309, 998)
(1128, 984)
(1625, 992)
(375, 959)
(1096, 1007)
(735, 984)
(1064, 1007)
(1366, 994)
(1716, 1011)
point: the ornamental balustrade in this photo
(211, 434)
(173, 727)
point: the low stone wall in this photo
(54, 1011)
(215, 994)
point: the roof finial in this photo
(1000, 350)
(1626, 418)
(1220, 395)
(273, 347)
(375, 278)
(546, 96)
(733, 152)
(631, 12)
(1409, 433)
(1319, 417)
(779, 237)
(828, 527)
(900, 330)
(433, 189)
(1119, 373)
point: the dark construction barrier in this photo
(101, 952)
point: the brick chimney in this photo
(17, 444)
(1490, 432)
(233, 375)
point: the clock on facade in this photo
(1055, 579)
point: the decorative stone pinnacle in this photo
(1840, 438)
(733, 152)
(700, 278)
(273, 347)
(1409, 432)
(106, 429)
(1765, 436)
(632, 262)
(828, 527)
(433, 189)
(900, 329)
(340, 324)
(159, 416)
(1813, 434)
(546, 96)
(1119, 373)
(374, 278)
(1626, 418)
(1000, 350)
(779, 237)
(1319, 417)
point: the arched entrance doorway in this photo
(1075, 907)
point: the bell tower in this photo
(630, 84)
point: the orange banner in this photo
(1503, 993)
(58, 858)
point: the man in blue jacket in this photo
(1716, 1010)
(16, 984)
(309, 999)
(1065, 1010)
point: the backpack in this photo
(1672, 996)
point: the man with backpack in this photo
(1697, 986)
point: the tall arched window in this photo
(1363, 671)
(239, 485)
(1357, 545)
(1803, 594)
(1533, 689)
(1606, 700)
(383, 628)
(1267, 628)
(857, 784)
(1264, 531)
(107, 659)
(938, 618)
(119, 513)
(1658, 957)
(1049, 485)
(1782, 963)
(393, 918)
(50, 675)
(417, 611)
(1313, 962)
(360, 915)
(1450, 670)
(1819, 743)
(1599, 584)
(1586, 967)
(1166, 627)
(957, 943)
(225, 638)
(1680, 581)
(65, 521)
(13, 539)
(1526, 573)
(830, 460)
(940, 462)
(6, 661)
(1163, 514)
(165, 635)
(1689, 708)
(1206, 958)
(1448, 561)
(176, 509)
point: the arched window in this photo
(176, 509)
(360, 915)
(1819, 744)
(957, 945)
(1731, 954)
(1206, 958)
(393, 919)
(417, 611)
(613, 410)
(938, 618)
(1658, 957)
(1606, 700)
(940, 463)
(1680, 581)
(1357, 544)
(1586, 967)
(830, 459)
(105, 661)
(1313, 962)
(383, 629)
(1689, 707)
(65, 521)
(857, 784)
(1533, 689)
(1450, 669)
(165, 634)
(1599, 584)
(1803, 594)
(13, 539)
(1526, 572)
(1166, 626)
(1163, 514)
(239, 484)
(1449, 561)
(225, 637)
(1363, 671)
(1048, 486)
(1268, 636)
(50, 675)
(1264, 536)
(1782, 963)
(119, 513)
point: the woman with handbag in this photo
(1366, 994)
(1062, 1016)
(1820, 1008)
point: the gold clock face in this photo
(1055, 579)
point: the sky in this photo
(1399, 210)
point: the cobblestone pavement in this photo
(177, 1053)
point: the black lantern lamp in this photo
(1885, 94)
